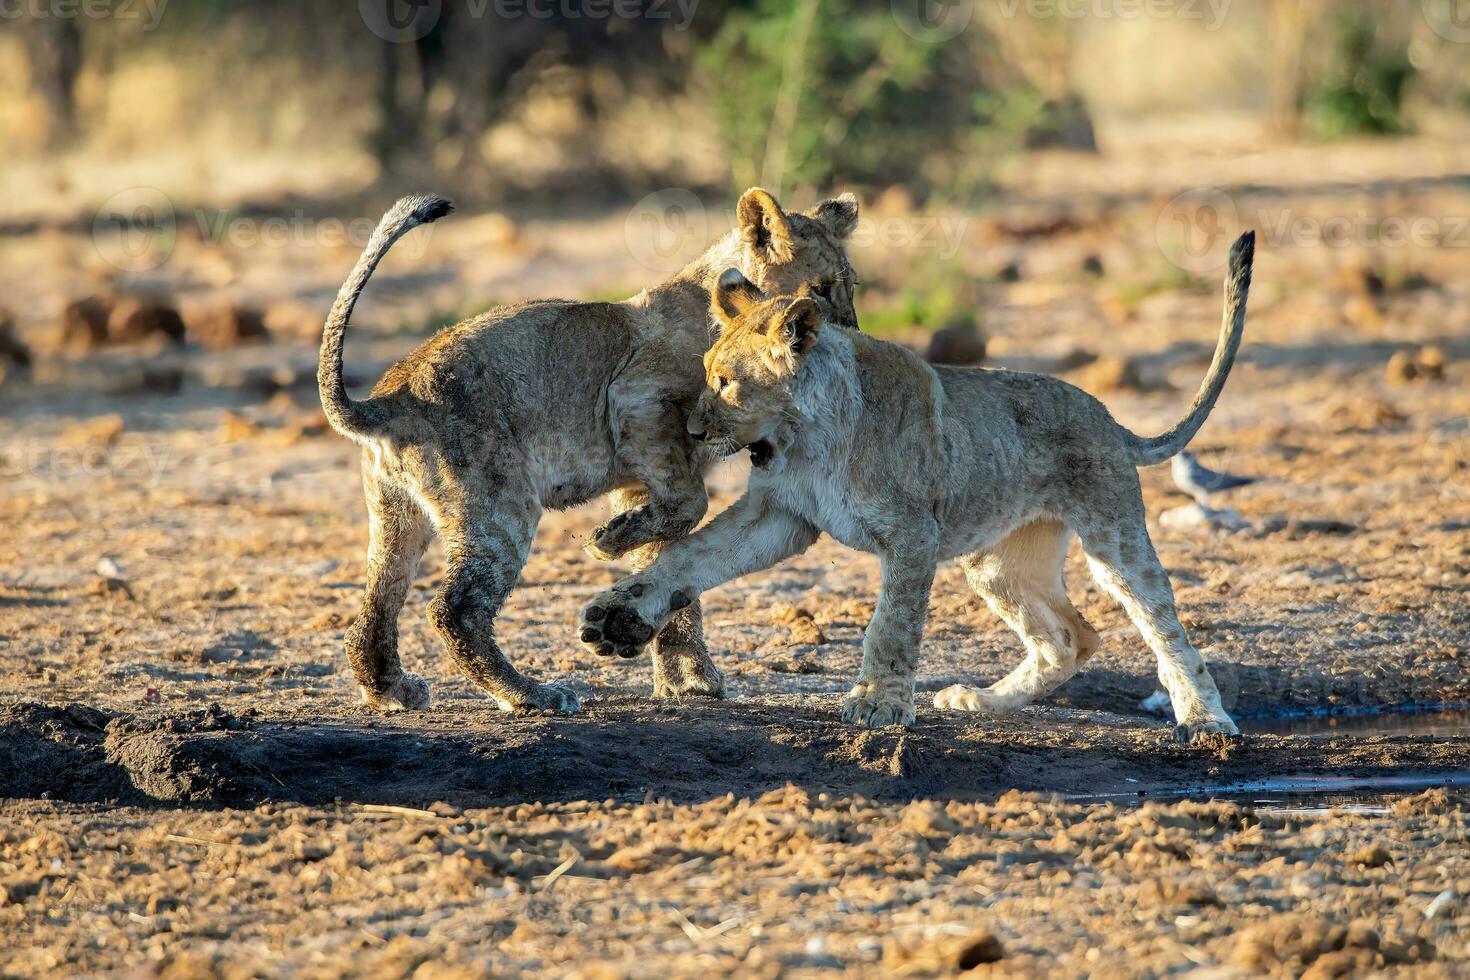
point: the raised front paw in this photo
(874, 709)
(618, 536)
(612, 624)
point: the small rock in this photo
(786, 613)
(236, 428)
(1093, 266)
(1363, 314)
(295, 320)
(807, 632)
(84, 324)
(1110, 373)
(11, 349)
(135, 319)
(801, 623)
(158, 379)
(227, 327)
(1401, 368)
(104, 430)
(1358, 279)
(1372, 856)
(1077, 357)
(958, 343)
(1430, 363)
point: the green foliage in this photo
(870, 102)
(1363, 86)
(933, 295)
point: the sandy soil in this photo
(187, 783)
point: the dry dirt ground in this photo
(188, 786)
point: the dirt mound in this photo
(56, 752)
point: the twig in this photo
(402, 811)
(560, 870)
(198, 840)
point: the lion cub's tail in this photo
(1147, 452)
(353, 419)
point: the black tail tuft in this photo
(432, 209)
(1242, 254)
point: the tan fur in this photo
(546, 404)
(864, 441)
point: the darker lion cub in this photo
(547, 404)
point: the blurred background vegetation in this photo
(559, 101)
(573, 110)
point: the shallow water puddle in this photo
(1300, 793)
(1409, 720)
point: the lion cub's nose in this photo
(696, 430)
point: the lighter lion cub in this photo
(863, 440)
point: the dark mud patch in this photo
(627, 748)
(58, 752)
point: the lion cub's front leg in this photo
(884, 693)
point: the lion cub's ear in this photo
(734, 295)
(764, 226)
(797, 326)
(839, 214)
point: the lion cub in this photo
(863, 440)
(546, 404)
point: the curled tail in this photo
(1147, 452)
(353, 419)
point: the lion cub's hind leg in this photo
(486, 544)
(399, 533)
(1123, 561)
(1021, 579)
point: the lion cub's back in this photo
(519, 362)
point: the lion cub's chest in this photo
(825, 500)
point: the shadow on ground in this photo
(626, 748)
